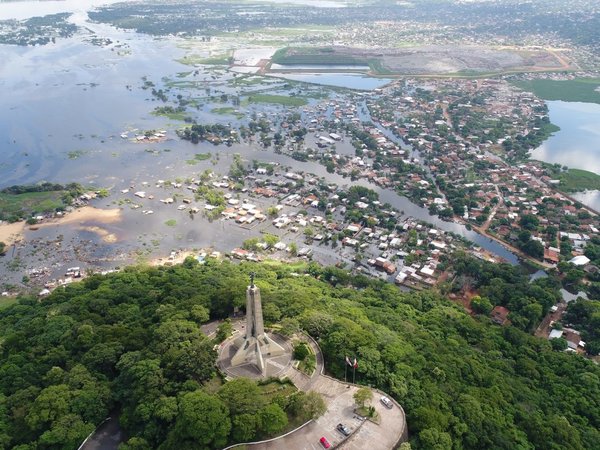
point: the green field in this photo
(575, 180)
(277, 99)
(577, 90)
(227, 110)
(171, 115)
(217, 60)
(22, 205)
(199, 157)
(310, 55)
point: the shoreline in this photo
(12, 233)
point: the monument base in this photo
(254, 350)
(238, 357)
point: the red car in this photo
(324, 442)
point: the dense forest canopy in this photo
(131, 342)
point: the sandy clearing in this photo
(86, 214)
(11, 232)
(14, 232)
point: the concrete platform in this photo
(276, 366)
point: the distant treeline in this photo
(42, 187)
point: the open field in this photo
(29, 202)
(11, 232)
(277, 99)
(227, 110)
(461, 60)
(575, 180)
(576, 90)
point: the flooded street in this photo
(70, 111)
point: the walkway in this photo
(340, 409)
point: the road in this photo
(108, 436)
(340, 409)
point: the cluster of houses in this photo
(494, 194)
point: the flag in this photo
(348, 361)
(355, 363)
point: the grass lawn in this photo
(29, 203)
(575, 180)
(275, 388)
(577, 90)
(277, 99)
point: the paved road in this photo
(107, 437)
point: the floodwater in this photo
(577, 144)
(64, 107)
(276, 67)
(25, 9)
(345, 80)
(589, 198)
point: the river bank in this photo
(11, 233)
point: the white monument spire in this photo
(255, 345)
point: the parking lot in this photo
(340, 405)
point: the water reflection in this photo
(24, 10)
(577, 144)
(345, 80)
(589, 198)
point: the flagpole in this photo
(345, 371)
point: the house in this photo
(580, 260)
(239, 253)
(500, 315)
(551, 255)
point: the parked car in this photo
(324, 442)
(387, 402)
(343, 429)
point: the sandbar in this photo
(11, 233)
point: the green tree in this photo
(301, 351)
(244, 428)
(363, 396)
(241, 396)
(559, 344)
(203, 419)
(271, 313)
(433, 439)
(271, 419)
(135, 443)
(481, 305)
(200, 314)
(313, 405)
(52, 404)
(224, 330)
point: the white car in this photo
(387, 402)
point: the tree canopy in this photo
(131, 341)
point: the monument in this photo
(255, 346)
